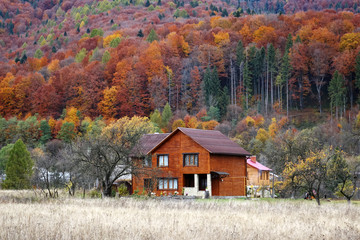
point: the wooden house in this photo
(190, 161)
(258, 174)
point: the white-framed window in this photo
(167, 183)
(163, 160)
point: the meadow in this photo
(26, 216)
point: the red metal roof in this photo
(258, 165)
(213, 141)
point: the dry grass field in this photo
(22, 216)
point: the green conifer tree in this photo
(166, 116)
(152, 36)
(105, 57)
(45, 132)
(18, 168)
(67, 132)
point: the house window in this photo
(167, 183)
(148, 184)
(189, 180)
(264, 175)
(191, 159)
(163, 160)
(147, 161)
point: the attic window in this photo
(163, 160)
(191, 159)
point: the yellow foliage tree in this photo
(126, 127)
(72, 116)
(264, 34)
(178, 45)
(54, 65)
(210, 125)
(249, 121)
(178, 123)
(107, 105)
(273, 128)
(221, 38)
(350, 41)
(218, 21)
(262, 135)
(107, 40)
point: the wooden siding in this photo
(254, 177)
(235, 183)
(175, 147)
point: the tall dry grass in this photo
(24, 217)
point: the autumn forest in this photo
(267, 73)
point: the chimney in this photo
(253, 159)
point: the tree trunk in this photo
(287, 98)
(271, 90)
(267, 88)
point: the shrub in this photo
(122, 190)
(94, 193)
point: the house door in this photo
(202, 182)
(215, 186)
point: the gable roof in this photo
(213, 141)
(149, 141)
(258, 165)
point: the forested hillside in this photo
(282, 78)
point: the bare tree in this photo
(49, 176)
(108, 155)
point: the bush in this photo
(122, 190)
(94, 193)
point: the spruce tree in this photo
(106, 57)
(337, 92)
(152, 36)
(38, 54)
(223, 101)
(18, 168)
(140, 33)
(67, 132)
(45, 132)
(4, 157)
(206, 81)
(357, 73)
(285, 74)
(166, 115)
(247, 83)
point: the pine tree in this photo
(337, 92)
(18, 168)
(4, 157)
(247, 83)
(152, 36)
(357, 72)
(289, 43)
(206, 82)
(240, 59)
(223, 101)
(166, 116)
(271, 70)
(285, 74)
(140, 33)
(67, 132)
(38, 54)
(155, 118)
(45, 132)
(105, 57)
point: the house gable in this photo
(175, 146)
(213, 141)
